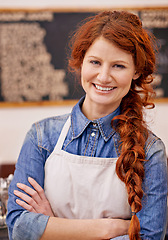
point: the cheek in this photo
(84, 78)
(126, 77)
(127, 82)
(86, 74)
(127, 85)
(124, 80)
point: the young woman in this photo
(103, 172)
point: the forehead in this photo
(103, 48)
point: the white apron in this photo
(84, 187)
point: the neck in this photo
(94, 111)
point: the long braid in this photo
(129, 167)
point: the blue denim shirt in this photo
(39, 144)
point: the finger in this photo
(25, 206)
(38, 188)
(30, 205)
(29, 191)
(25, 198)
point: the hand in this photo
(36, 201)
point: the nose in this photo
(104, 75)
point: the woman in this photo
(103, 172)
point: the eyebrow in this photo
(115, 61)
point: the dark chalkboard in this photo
(34, 50)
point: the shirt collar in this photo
(79, 122)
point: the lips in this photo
(103, 88)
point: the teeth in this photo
(103, 88)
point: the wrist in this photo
(115, 227)
(122, 226)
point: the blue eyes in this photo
(95, 62)
(118, 66)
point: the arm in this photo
(153, 215)
(61, 228)
(30, 163)
(84, 229)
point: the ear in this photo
(136, 75)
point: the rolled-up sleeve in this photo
(124, 237)
(29, 226)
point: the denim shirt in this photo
(89, 138)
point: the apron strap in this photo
(63, 135)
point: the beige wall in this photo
(15, 122)
(81, 4)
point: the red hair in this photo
(125, 30)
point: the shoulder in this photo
(155, 151)
(51, 123)
(153, 144)
(45, 133)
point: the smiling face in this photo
(106, 75)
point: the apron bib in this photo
(84, 187)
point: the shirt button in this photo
(92, 134)
(94, 124)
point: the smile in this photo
(104, 88)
